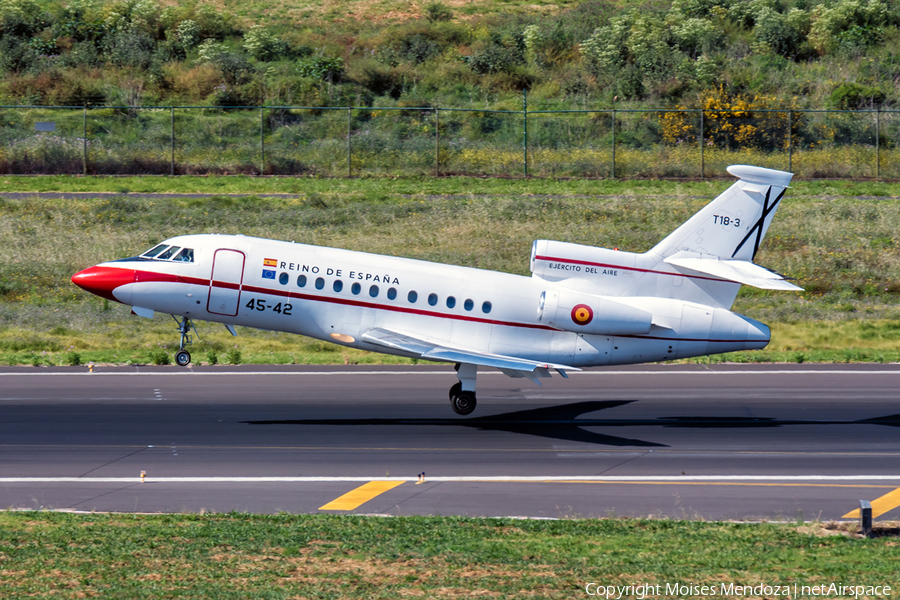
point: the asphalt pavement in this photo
(747, 442)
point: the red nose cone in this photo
(103, 280)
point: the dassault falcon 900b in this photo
(583, 306)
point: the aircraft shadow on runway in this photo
(562, 423)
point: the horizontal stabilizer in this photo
(739, 271)
(440, 352)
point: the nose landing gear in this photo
(183, 357)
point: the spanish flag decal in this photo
(270, 262)
(582, 314)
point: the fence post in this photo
(702, 163)
(173, 142)
(877, 142)
(790, 134)
(262, 142)
(437, 142)
(613, 144)
(349, 147)
(525, 131)
(84, 142)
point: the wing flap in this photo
(739, 271)
(439, 352)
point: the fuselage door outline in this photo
(226, 282)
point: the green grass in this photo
(839, 239)
(396, 187)
(322, 556)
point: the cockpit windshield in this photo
(167, 252)
(154, 251)
(186, 255)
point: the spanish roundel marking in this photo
(582, 314)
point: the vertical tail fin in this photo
(705, 260)
(732, 226)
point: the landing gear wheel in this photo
(183, 358)
(462, 403)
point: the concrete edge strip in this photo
(471, 478)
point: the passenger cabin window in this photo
(468, 304)
(301, 281)
(392, 293)
(355, 289)
(320, 283)
(486, 307)
(283, 278)
(432, 299)
(373, 291)
(338, 285)
(412, 296)
(451, 302)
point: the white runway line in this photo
(469, 478)
(445, 373)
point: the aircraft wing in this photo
(739, 271)
(510, 365)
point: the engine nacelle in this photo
(589, 314)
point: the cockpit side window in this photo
(154, 251)
(186, 255)
(169, 253)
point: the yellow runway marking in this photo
(881, 505)
(356, 498)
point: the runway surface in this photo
(722, 442)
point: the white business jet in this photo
(582, 306)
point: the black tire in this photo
(456, 390)
(183, 358)
(463, 403)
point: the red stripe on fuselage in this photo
(108, 275)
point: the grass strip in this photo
(243, 556)
(393, 186)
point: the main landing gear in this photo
(183, 357)
(462, 394)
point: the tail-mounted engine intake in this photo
(586, 313)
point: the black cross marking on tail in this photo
(758, 226)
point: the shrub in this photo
(195, 82)
(188, 33)
(212, 358)
(731, 122)
(851, 96)
(73, 359)
(22, 18)
(436, 11)
(784, 33)
(829, 22)
(494, 58)
(130, 49)
(321, 67)
(233, 356)
(159, 357)
(380, 79)
(262, 44)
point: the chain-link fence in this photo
(352, 141)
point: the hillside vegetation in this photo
(710, 53)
